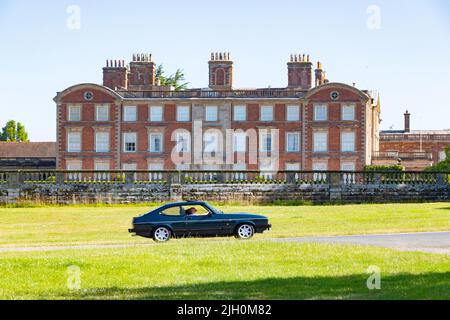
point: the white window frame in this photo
(70, 143)
(346, 164)
(263, 145)
(99, 144)
(184, 116)
(345, 144)
(319, 166)
(266, 113)
(154, 116)
(267, 168)
(151, 142)
(129, 115)
(240, 113)
(215, 148)
(239, 142)
(348, 112)
(187, 137)
(211, 113)
(292, 113)
(319, 116)
(320, 147)
(442, 156)
(102, 112)
(240, 167)
(289, 134)
(156, 166)
(129, 166)
(71, 115)
(74, 165)
(130, 134)
(102, 165)
(292, 166)
(183, 167)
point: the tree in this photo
(174, 80)
(14, 132)
(22, 135)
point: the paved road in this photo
(436, 242)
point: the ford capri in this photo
(196, 219)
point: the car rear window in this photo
(172, 211)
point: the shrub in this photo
(443, 166)
(386, 168)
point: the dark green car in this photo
(196, 219)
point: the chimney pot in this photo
(407, 122)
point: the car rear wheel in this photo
(245, 231)
(161, 234)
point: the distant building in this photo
(414, 149)
(129, 121)
(27, 155)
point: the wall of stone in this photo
(252, 193)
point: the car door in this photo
(205, 223)
(174, 218)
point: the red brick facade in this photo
(413, 149)
(336, 127)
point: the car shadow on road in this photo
(401, 286)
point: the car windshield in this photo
(215, 210)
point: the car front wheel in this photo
(161, 234)
(245, 231)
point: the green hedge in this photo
(387, 168)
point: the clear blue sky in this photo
(407, 59)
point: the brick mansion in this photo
(131, 122)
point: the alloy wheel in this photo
(245, 231)
(162, 234)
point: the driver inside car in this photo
(191, 211)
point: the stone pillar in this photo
(334, 181)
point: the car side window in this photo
(172, 211)
(197, 210)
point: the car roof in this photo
(184, 203)
(189, 203)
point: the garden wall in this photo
(252, 193)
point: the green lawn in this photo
(221, 268)
(227, 269)
(65, 225)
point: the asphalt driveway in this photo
(436, 242)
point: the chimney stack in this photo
(300, 71)
(142, 72)
(320, 75)
(220, 71)
(115, 74)
(407, 122)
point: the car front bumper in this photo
(261, 229)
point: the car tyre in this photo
(162, 234)
(245, 231)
